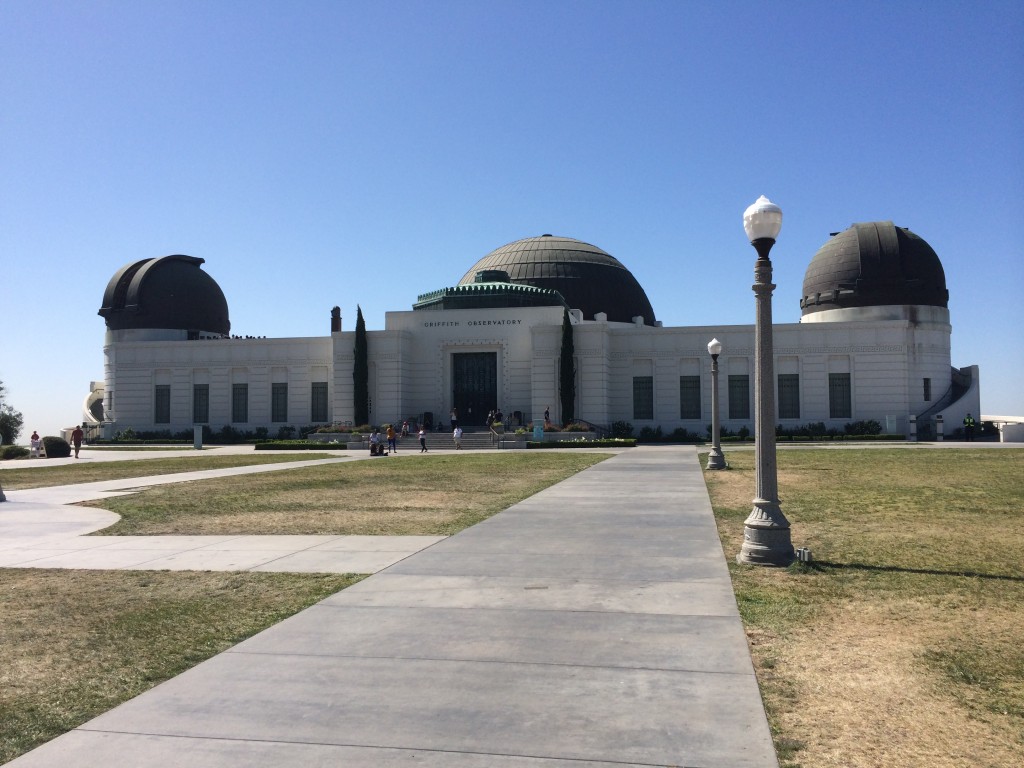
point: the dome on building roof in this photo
(167, 292)
(874, 264)
(588, 278)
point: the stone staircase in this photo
(470, 441)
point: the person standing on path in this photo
(76, 439)
(457, 436)
(423, 440)
(392, 439)
(969, 427)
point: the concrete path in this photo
(39, 530)
(592, 624)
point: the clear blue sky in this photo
(343, 153)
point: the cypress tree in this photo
(567, 372)
(361, 373)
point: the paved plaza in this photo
(592, 624)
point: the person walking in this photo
(457, 437)
(969, 428)
(392, 439)
(76, 439)
(423, 440)
(454, 416)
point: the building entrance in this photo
(474, 386)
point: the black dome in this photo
(874, 264)
(169, 292)
(588, 278)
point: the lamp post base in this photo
(716, 459)
(766, 538)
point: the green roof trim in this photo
(491, 296)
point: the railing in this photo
(600, 431)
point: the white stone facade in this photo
(897, 360)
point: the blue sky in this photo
(341, 153)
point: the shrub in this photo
(13, 451)
(622, 429)
(56, 447)
(650, 434)
(869, 427)
(286, 433)
(683, 435)
(743, 433)
(575, 426)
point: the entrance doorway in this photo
(474, 386)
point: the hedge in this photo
(605, 443)
(298, 445)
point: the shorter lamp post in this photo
(715, 459)
(766, 536)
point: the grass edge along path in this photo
(902, 643)
(23, 478)
(74, 644)
(430, 495)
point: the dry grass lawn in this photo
(903, 644)
(74, 644)
(414, 495)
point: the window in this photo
(927, 390)
(643, 397)
(200, 403)
(789, 396)
(239, 403)
(162, 404)
(319, 397)
(279, 402)
(739, 396)
(839, 399)
(689, 397)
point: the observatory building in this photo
(873, 342)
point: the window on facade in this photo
(739, 396)
(689, 397)
(162, 404)
(319, 401)
(643, 397)
(279, 402)
(789, 396)
(239, 403)
(200, 403)
(927, 390)
(840, 402)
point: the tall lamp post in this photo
(766, 536)
(715, 459)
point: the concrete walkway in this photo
(592, 624)
(39, 530)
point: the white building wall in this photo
(411, 368)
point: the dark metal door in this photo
(474, 386)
